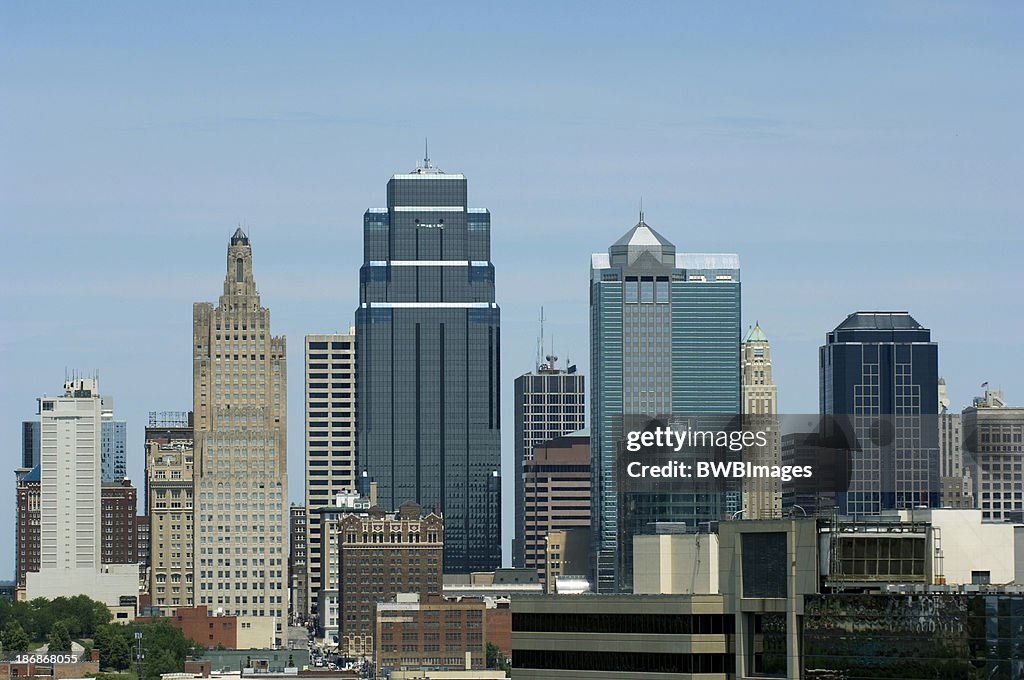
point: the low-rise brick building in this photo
(433, 633)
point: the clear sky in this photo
(856, 155)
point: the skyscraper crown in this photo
(641, 241)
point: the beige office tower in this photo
(241, 474)
(993, 445)
(330, 439)
(169, 500)
(762, 496)
(957, 486)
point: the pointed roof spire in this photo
(641, 210)
(643, 235)
(240, 238)
(755, 334)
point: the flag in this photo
(984, 384)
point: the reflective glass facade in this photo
(881, 368)
(665, 335)
(427, 373)
(113, 451)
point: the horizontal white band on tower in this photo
(429, 305)
(429, 208)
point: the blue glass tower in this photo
(428, 366)
(664, 340)
(113, 451)
(882, 369)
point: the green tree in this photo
(162, 661)
(119, 654)
(60, 640)
(14, 638)
(496, 659)
(115, 649)
(42, 618)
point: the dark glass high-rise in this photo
(881, 368)
(428, 367)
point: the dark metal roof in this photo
(880, 321)
(239, 238)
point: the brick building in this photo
(383, 554)
(433, 633)
(119, 535)
(212, 630)
(27, 527)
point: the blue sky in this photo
(855, 155)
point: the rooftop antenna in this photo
(641, 210)
(540, 340)
(426, 153)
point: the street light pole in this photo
(139, 655)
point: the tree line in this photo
(25, 626)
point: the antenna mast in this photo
(540, 340)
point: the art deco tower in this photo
(428, 364)
(241, 479)
(762, 496)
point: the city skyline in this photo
(847, 190)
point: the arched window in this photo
(239, 270)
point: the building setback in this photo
(664, 341)
(330, 390)
(881, 368)
(241, 486)
(549, 403)
(429, 365)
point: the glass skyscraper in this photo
(428, 366)
(113, 448)
(664, 340)
(881, 369)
